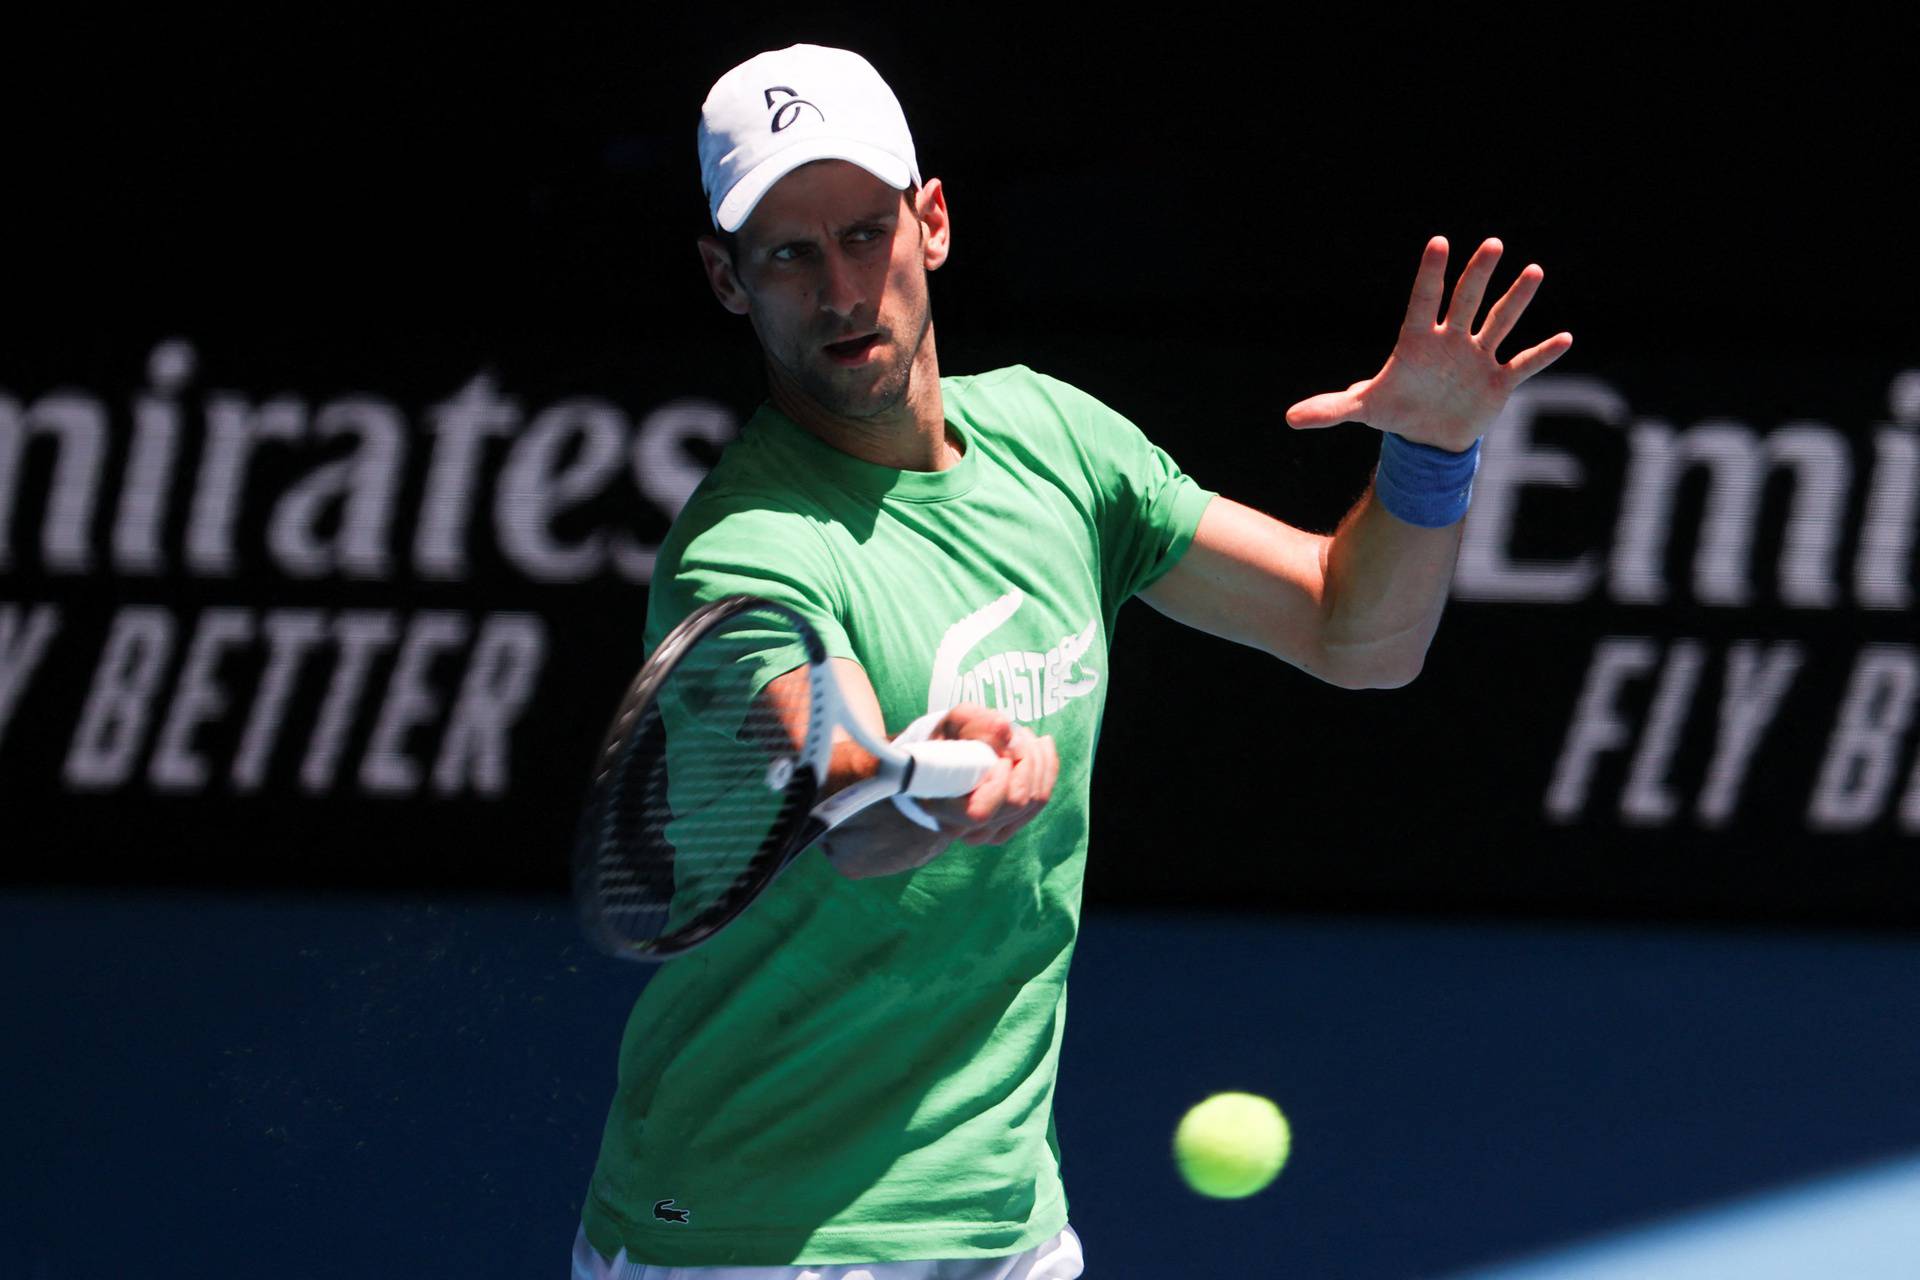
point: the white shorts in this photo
(1055, 1259)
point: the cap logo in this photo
(788, 110)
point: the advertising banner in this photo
(346, 397)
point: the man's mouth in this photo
(852, 350)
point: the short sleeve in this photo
(722, 549)
(1146, 508)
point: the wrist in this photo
(1422, 484)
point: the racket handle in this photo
(948, 766)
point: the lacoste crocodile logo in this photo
(1026, 685)
(664, 1210)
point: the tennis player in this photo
(855, 1080)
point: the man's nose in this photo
(840, 290)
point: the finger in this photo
(985, 799)
(1472, 286)
(1534, 359)
(1042, 758)
(1513, 303)
(960, 815)
(1020, 780)
(1050, 771)
(1429, 286)
(1046, 770)
(1325, 410)
(982, 724)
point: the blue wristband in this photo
(1424, 485)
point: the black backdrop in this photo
(349, 365)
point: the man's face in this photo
(832, 268)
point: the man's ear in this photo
(931, 208)
(717, 260)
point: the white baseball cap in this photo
(779, 110)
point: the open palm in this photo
(1444, 383)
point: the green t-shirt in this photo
(863, 1071)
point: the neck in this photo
(909, 435)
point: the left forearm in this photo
(1386, 584)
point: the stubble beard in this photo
(880, 397)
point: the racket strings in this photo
(699, 790)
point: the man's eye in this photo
(788, 253)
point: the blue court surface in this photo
(1864, 1226)
(202, 1085)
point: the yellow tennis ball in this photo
(1231, 1145)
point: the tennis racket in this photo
(709, 783)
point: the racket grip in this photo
(948, 766)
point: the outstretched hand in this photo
(1444, 383)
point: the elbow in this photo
(1372, 671)
(1380, 660)
(1396, 677)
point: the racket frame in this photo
(935, 768)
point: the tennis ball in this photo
(1231, 1145)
